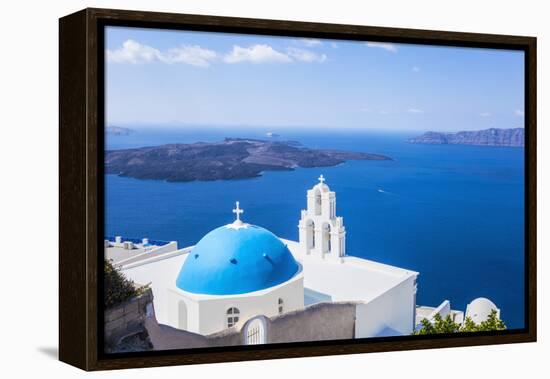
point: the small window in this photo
(232, 316)
(281, 306)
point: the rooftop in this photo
(351, 278)
(128, 250)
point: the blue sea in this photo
(454, 213)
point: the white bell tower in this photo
(321, 233)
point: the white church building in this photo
(241, 272)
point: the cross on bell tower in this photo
(321, 179)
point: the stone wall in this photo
(164, 337)
(124, 328)
(323, 321)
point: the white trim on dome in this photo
(237, 224)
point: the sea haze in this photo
(453, 213)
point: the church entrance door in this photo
(255, 332)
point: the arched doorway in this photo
(255, 332)
(327, 247)
(310, 234)
(182, 315)
(317, 202)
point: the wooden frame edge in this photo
(72, 195)
(79, 191)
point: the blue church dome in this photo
(236, 259)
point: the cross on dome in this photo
(238, 211)
(321, 179)
(238, 223)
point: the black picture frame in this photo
(81, 125)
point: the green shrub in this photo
(117, 288)
(447, 325)
(439, 325)
(492, 323)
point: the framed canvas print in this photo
(237, 189)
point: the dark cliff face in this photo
(229, 159)
(489, 137)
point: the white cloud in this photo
(383, 45)
(365, 110)
(193, 55)
(415, 110)
(305, 55)
(416, 69)
(519, 113)
(255, 54)
(311, 42)
(267, 54)
(133, 52)
(334, 45)
(136, 53)
(485, 114)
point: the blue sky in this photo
(178, 79)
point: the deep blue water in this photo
(455, 214)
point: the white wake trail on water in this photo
(386, 192)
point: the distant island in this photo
(232, 158)
(489, 137)
(118, 131)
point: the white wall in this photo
(390, 314)
(28, 158)
(207, 314)
(162, 274)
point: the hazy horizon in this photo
(167, 127)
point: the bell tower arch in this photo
(321, 232)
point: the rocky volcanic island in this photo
(118, 131)
(489, 137)
(232, 158)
